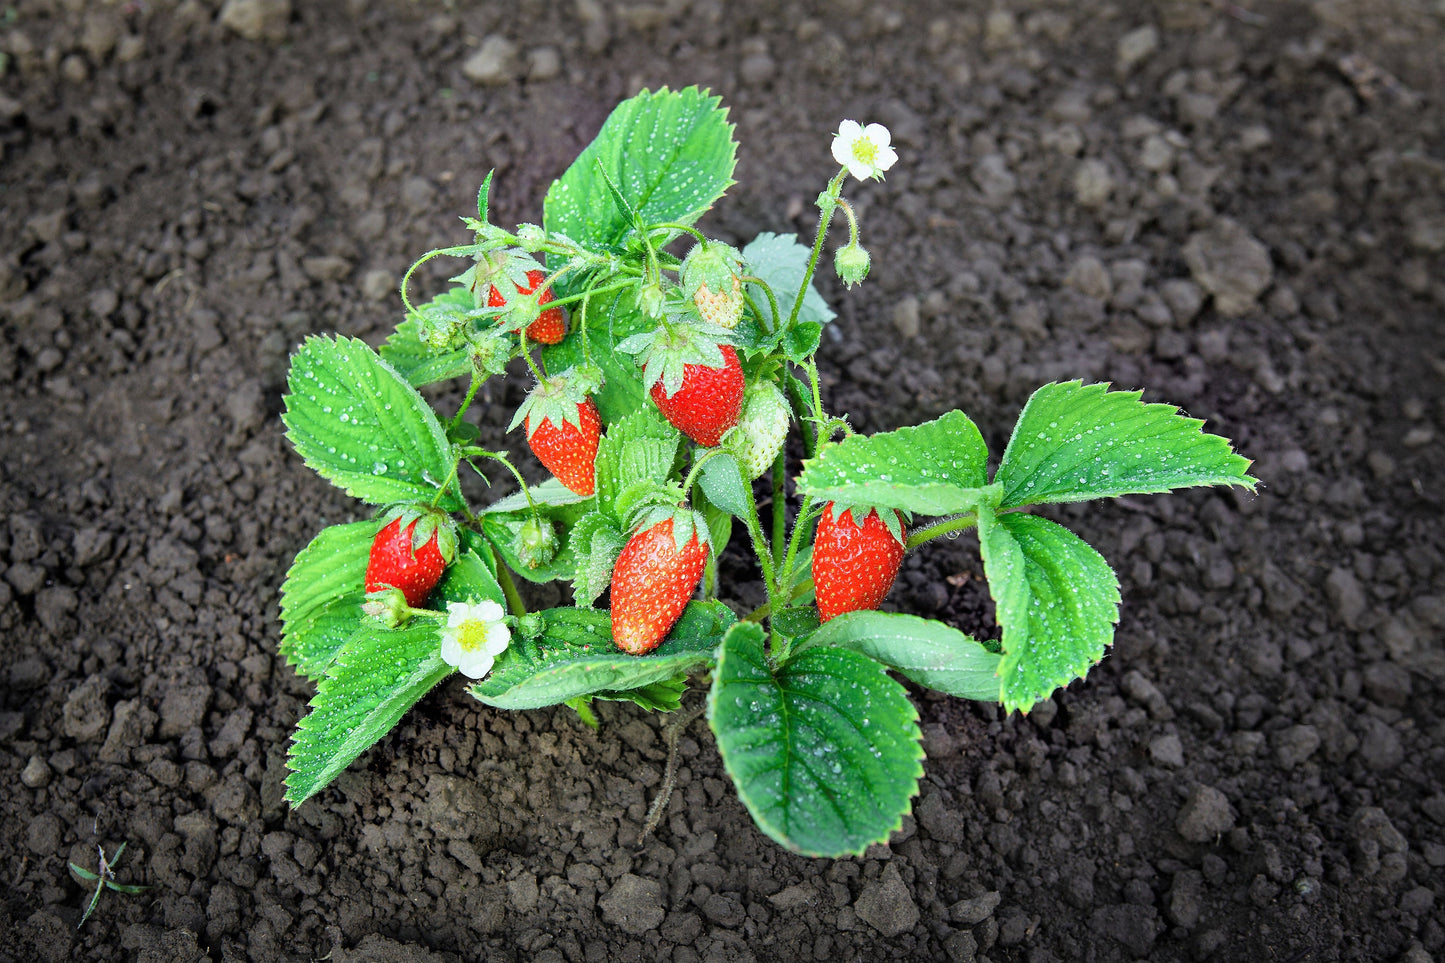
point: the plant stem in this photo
(772, 300)
(947, 526)
(702, 238)
(760, 546)
(780, 507)
(477, 380)
(800, 528)
(509, 590)
(828, 202)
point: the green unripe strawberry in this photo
(852, 262)
(761, 429)
(536, 543)
(711, 277)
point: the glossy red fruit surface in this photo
(551, 325)
(853, 565)
(651, 584)
(709, 401)
(393, 563)
(569, 451)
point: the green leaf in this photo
(782, 262)
(322, 595)
(376, 677)
(502, 528)
(936, 468)
(573, 656)
(1075, 441)
(665, 696)
(610, 321)
(1055, 598)
(925, 650)
(359, 424)
(825, 752)
(550, 496)
(642, 447)
(599, 542)
(670, 154)
(722, 482)
(470, 579)
(415, 360)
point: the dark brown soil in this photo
(1256, 773)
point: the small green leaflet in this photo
(357, 422)
(825, 753)
(665, 696)
(573, 656)
(321, 597)
(378, 675)
(936, 468)
(670, 154)
(469, 578)
(414, 359)
(638, 448)
(723, 483)
(925, 650)
(599, 542)
(1055, 598)
(781, 261)
(1075, 441)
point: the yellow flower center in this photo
(866, 151)
(471, 635)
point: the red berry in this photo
(551, 325)
(394, 564)
(708, 402)
(570, 450)
(853, 565)
(651, 584)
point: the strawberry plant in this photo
(670, 369)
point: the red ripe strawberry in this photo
(570, 450)
(551, 325)
(654, 578)
(563, 427)
(397, 563)
(709, 401)
(854, 565)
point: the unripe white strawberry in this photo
(761, 429)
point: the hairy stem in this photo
(828, 201)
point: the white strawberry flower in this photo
(864, 151)
(475, 634)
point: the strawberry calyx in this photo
(498, 269)
(892, 519)
(667, 350)
(429, 521)
(687, 524)
(558, 399)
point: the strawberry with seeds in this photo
(695, 381)
(550, 324)
(711, 277)
(563, 427)
(854, 564)
(655, 576)
(410, 552)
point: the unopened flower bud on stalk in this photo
(851, 262)
(864, 151)
(536, 542)
(388, 606)
(475, 634)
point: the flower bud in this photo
(536, 543)
(851, 262)
(388, 606)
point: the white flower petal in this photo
(849, 130)
(498, 637)
(878, 134)
(451, 649)
(476, 665)
(887, 157)
(488, 610)
(859, 169)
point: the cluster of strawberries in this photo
(696, 380)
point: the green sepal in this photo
(599, 542)
(484, 194)
(891, 518)
(556, 400)
(664, 352)
(686, 524)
